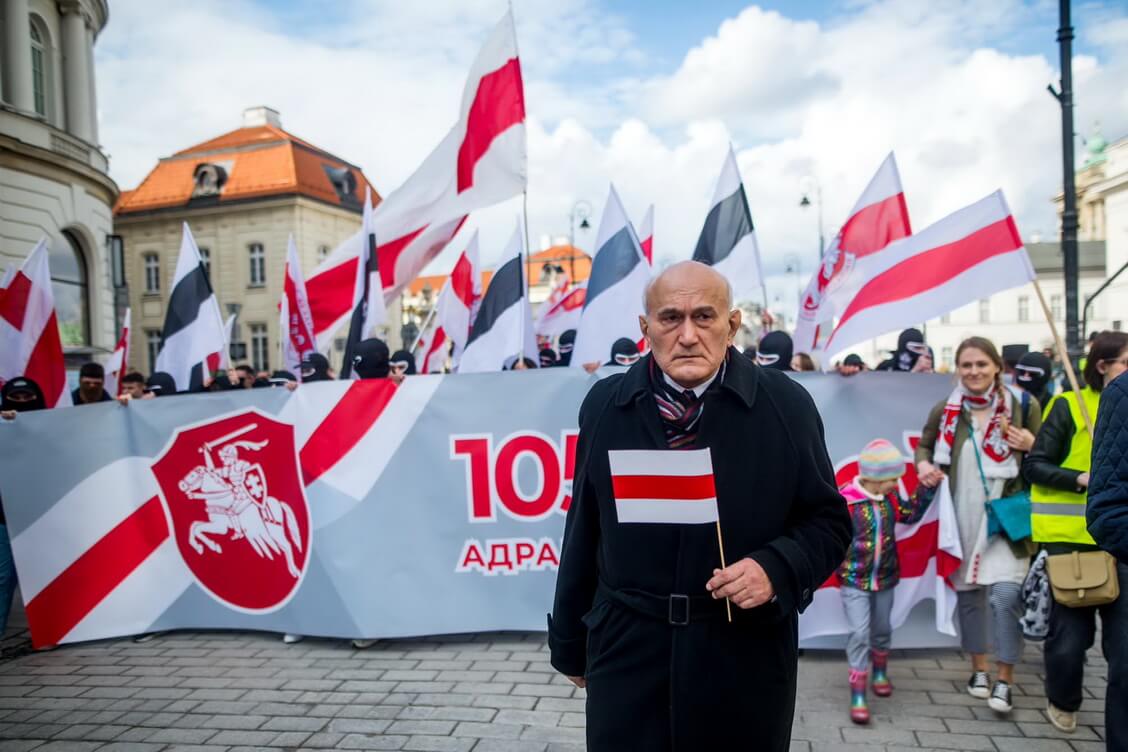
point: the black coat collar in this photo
(742, 377)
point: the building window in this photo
(984, 311)
(260, 358)
(39, 58)
(205, 262)
(1023, 308)
(322, 253)
(1055, 307)
(152, 274)
(946, 355)
(153, 347)
(69, 285)
(258, 264)
(1117, 324)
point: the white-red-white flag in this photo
(663, 486)
(557, 318)
(968, 255)
(460, 297)
(433, 346)
(479, 163)
(295, 324)
(879, 217)
(646, 235)
(119, 359)
(30, 345)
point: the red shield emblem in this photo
(237, 508)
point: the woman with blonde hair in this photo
(977, 437)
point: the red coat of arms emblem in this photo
(237, 508)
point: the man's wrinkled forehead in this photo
(687, 286)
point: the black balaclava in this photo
(547, 357)
(260, 383)
(403, 356)
(370, 359)
(21, 386)
(222, 383)
(315, 367)
(281, 378)
(910, 346)
(564, 347)
(161, 384)
(1034, 372)
(623, 353)
(775, 351)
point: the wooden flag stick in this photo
(1064, 355)
(721, 543)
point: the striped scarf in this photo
(679, 409)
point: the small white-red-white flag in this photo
(664, 486)
(295, 325)
(30, 345)
(460, 297)
(434, 348)
(564, 314)
(119, 359)
(968, 255)
(646, 235)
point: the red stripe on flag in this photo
(344, 426)
(13, 300)
(664, 487)
(330, 294)
(68, 598)
(935, 267)
(462, 281)
(388, 253)
(498, 104)
(876, 226)
(46, 366)
(648, 249)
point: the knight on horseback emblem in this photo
(233, 495)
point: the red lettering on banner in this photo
(540, 503)
(508, 556)
(548, 556)
(471, 558)
(502, 562)
(476, 450)
(525, 552)
(570, 440)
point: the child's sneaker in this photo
(859, 710)
(882, 687)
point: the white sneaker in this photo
(362, 644)
(1062, 720)
(1000, 700)
(290, 639)
(979, 685)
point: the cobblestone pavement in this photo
(213, 691)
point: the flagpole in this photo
(524, 254)
(1063, 353)
(426, 323)
(721, 543)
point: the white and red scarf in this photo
(994, 448)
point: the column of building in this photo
(17, 55)
(78, 85)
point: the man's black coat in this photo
(654, 685)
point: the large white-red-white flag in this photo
(968, 255)
(879, 217)
(30, 345)
(664, 486)
(460, 297)
(119, 359)
(295, 324)
(479, 163)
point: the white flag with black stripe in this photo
(728, 239)
(194, 337)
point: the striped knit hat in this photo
(880, 460)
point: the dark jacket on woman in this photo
(1030, 419)
(1107, 510)
(1043, 464)
(664, 669)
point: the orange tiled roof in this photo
(561, 255)
(258, 161)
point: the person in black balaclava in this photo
(564, 347)
(261, 383)
(282, 378)
(370, 359)
(910, 346)
(775, 351)
(623, 353)
(21, 394)
(547, 357)
(222, 383)
(91, 378)
(315, 367)
(161, 384)
(402, 363)
(1034, 373)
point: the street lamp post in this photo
(806, 185)
(581, 210)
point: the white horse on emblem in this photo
(269, 525)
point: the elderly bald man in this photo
(639, 615)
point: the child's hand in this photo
(928, 474)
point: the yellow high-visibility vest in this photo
(1059, 516)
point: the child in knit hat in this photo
(871, 570)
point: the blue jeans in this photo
(1072, 632)
(7, 578)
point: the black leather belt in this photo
(676, 609)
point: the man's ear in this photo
(642, 327)
(734, 323)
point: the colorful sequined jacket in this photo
(871, 560)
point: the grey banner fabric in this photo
(435, 508)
